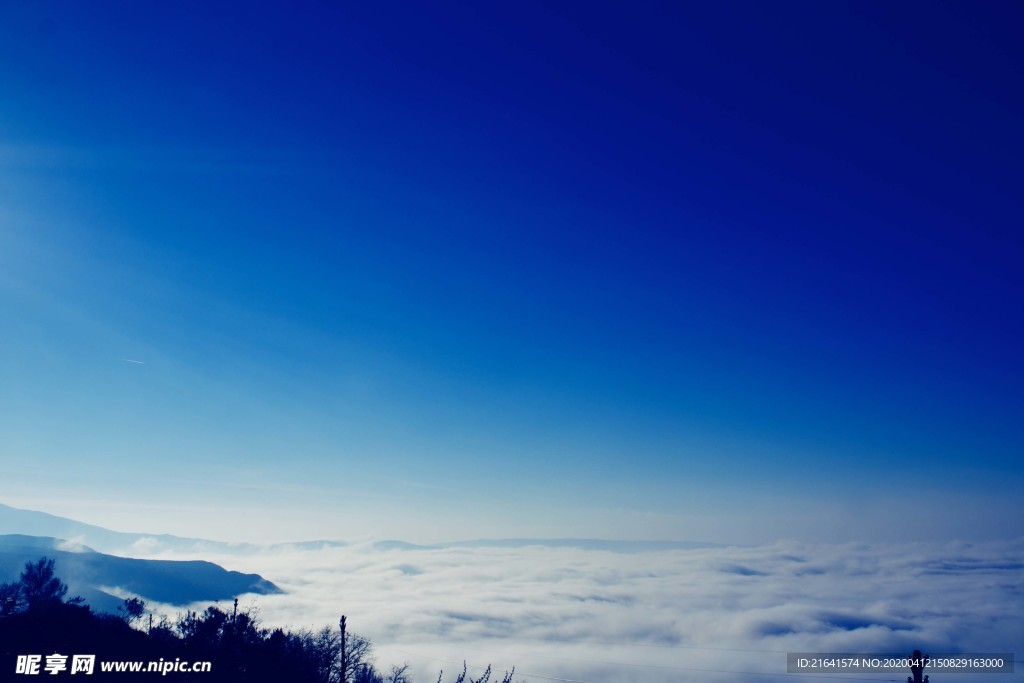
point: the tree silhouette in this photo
(399, 674)
(39, 586)
(132, 610)
(10, 598)
(462, 678)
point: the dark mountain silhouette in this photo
(88, 573)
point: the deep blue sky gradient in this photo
(586, 256)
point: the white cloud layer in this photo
(676, 615)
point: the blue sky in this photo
(724, 272)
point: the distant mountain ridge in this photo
(17, 521)
(33, 523)
(581, 543)
(92, 574)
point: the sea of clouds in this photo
(707, 614)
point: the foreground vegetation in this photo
(37, 618)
